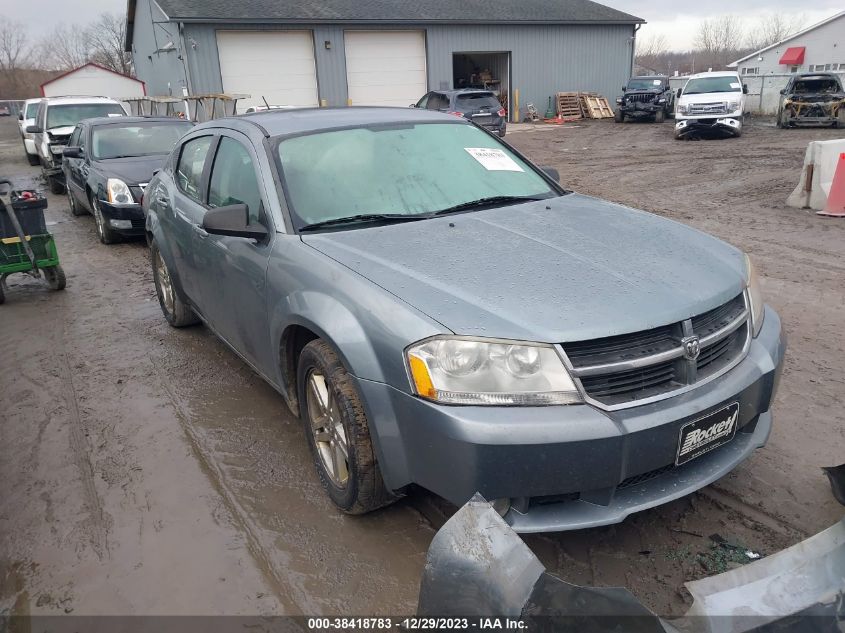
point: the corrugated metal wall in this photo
(544, 59)
(162, 72)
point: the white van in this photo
(710, 102)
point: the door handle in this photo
(200, 231)
(162, 200)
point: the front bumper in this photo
(730, 125)
(638, 108)
(572, 467)
(124, 219)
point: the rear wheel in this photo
(104, 231)
(338, 432)
(56, 186)
(177, 313)
(55, 277)
(2, 292)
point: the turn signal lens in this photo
(755, 297)
(422, 380)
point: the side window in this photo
(74, 138)
(233, 178)
(422, 102)
(190, 165)
(436, 102)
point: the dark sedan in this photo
(482, 107)
(108, 163)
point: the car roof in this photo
(78, 100)
(282, 122)
(465, 91)
(124, 120)
(815, 76)
(649, 77)
(715, 73)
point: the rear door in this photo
(234, 269)
(72, 167)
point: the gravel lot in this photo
(148, 470)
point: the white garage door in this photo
(276, 65)
(385, 68)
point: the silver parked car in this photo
(440, 312)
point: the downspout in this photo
(633, 48)
(184, 53)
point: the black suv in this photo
(482, 107)
(812, 99)
(645, 97)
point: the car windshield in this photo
(31, 110)
(644, 83)
(70, 115)
(477, 100)
(704, 85)
(401, 170)
(820, 85)
(136, 139)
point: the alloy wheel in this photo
(327, 428)
(98, 217)
(164, 283)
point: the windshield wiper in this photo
(487, 202)
(365, 217)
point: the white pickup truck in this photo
(712, 103)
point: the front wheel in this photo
(33, 160)
(55, 276)
(840, 117)
(175, 311)
(104, 231)
(338, 432)
(73, 204)
(785, 119)
(660, 116)
(619, 116)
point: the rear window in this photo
(478, 100)
(70, 115)
(31, 111)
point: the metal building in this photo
(379, 52)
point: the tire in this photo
(619, 116)
(33, 160)
(56, 186)
(176, 312)
(55, 277)
(2, 294)
(660, 116)
(785, 120)
(75, 211)
(840, 117)
(322, 378)
(104, 231)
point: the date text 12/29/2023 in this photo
(415, 624)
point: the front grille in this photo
(709, 108)
(641, 479)
(641, 98)
(138, 223)
(622, 370)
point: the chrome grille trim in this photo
(645, 362)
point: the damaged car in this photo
(645, 97)
(812, 99)
(440, 312)
(711, 104)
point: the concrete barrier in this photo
(820, 163)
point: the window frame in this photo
(202, 186)
(262, 215)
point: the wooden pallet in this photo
(595, 106)
(569, 105)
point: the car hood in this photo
(132, 170)
(710, 97)
(567, 269)
(67, 130)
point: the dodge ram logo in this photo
(692, 347)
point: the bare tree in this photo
(774, 28)
(105, 43)
(718, 40)
(66, 47)
(650, 49)
(15, 55)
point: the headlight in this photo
(733, 106)
(618, 99)
(469, 371)
(118, 191)
(661, 100)
(682, 108)
(755, 297)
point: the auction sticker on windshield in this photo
(705, 434)
(493, 159)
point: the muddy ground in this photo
(148, 470)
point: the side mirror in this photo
(624, 88)
(552, 173)
(20, 116)
(233, 221)
(413, 105)
(73, 152)
(745, 89)
(33, 129)
(678, 94)
(155, 171)
(783, 91)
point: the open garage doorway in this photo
(485, 70)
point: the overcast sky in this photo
(678, 21)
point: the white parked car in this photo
(54, 123)
(25, 119)
(712, 103)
